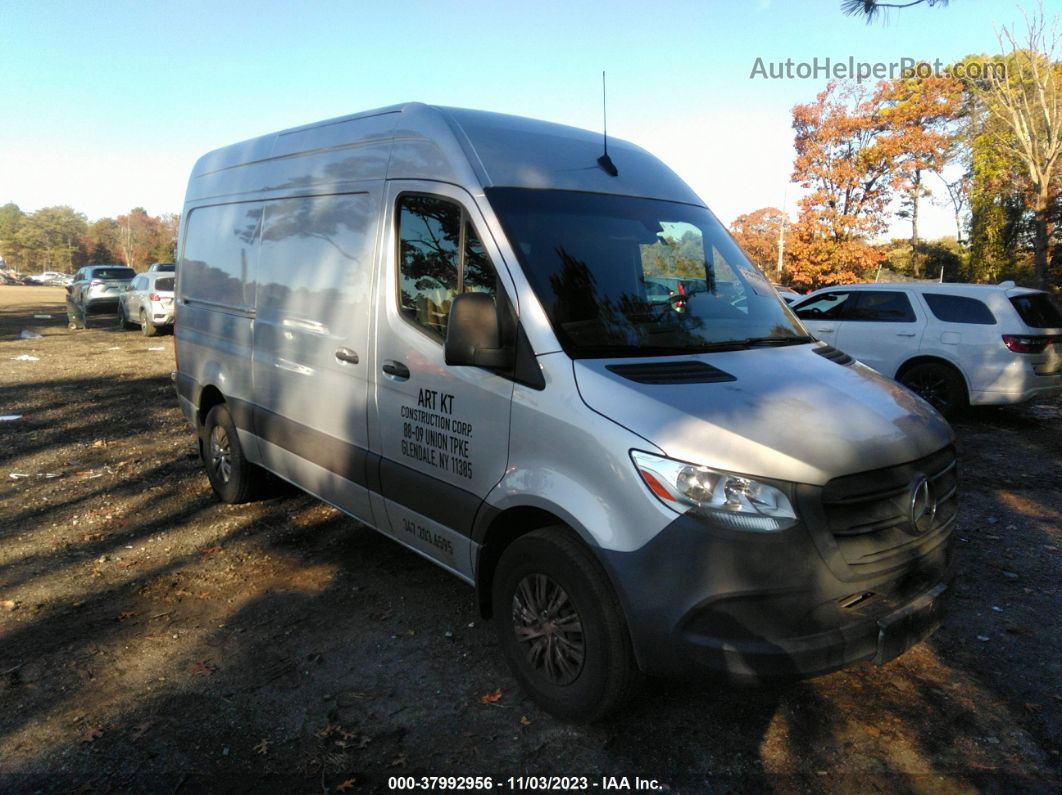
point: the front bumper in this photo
(755, 607)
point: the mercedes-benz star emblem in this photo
(923, 510)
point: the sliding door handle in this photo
(347, 355)
(396, 369)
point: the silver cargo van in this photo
(553, 373)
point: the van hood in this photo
(788, 413)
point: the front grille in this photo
(869, 513)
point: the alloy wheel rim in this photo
(221, 453)
(548, 629)
(933, 390)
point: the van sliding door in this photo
(311, 343)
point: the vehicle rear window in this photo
(113, 273)
(1037, 310)
(882, 306)
(959, 309)
(164, 284)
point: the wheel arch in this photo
(501, 529)
(209, 396)
(932, 359)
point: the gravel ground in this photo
(154, 639)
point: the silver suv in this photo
(95, 291)
(148, 302)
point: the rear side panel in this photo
(216, 289)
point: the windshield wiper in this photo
(754, 341)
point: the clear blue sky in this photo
(106, 105)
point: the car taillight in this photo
(1020, 343)
(155, 297)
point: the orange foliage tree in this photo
(920, 114)
(757, 233)
(845, 165)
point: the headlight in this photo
(734, 501)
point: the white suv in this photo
(953, 344)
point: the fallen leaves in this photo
(346, 786)
(263, 747)
(491, 698)
(141, 729)
(9, 604)
(91, 733)
(203, 668)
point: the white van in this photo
(553, 373)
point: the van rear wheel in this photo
(233, 477)
(938, 384)
(561, 628)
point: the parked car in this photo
(787, 294)
(148, 302)
(953, 344)
(46, 277)
(434, 319)
(166, 267)
(95, 291)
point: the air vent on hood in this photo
(685, 372)
(833, 354)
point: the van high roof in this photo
(474, 149)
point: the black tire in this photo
(233, 477)
(123, 318)
(585, 667)
(940, 385)
(146, 326)
(74, 319)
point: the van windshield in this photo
(625, 276)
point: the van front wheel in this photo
(561, 628)
(233, 477)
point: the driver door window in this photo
(439, 256)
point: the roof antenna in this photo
(605, 161)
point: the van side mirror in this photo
(473, 334)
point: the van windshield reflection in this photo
(625, 276)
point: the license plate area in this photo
(900, 630)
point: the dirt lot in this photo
(152, 638)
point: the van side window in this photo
(830, 306)
(959, 309)
(221, 254)
(439, 255)
(885, 306)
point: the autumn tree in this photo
(53, 238)
(138, 237)
(921, 116)
(166, 240)
(846, 163)
(11, 218)
(1022, 109)
(758, 235)
(101, 241)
